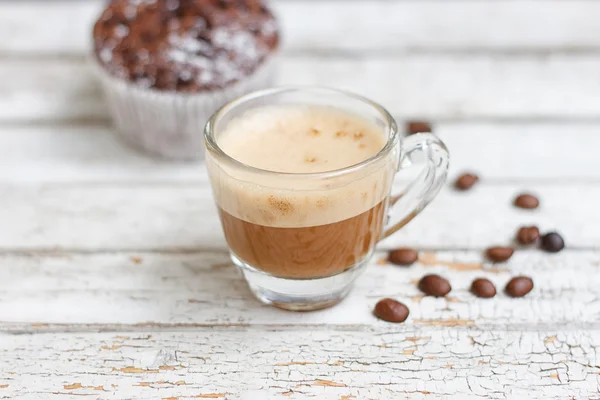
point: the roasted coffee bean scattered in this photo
(499, 254)
(434, 285)
(552, 242)
(528, 235)
(519, 286)
(466, 181)
(391, 310)
(526, 200)
(413, 127)
(484, 288)
(403, 256)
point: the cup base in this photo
(300, 294)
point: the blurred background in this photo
(468, 66)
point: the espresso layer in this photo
(308, 252)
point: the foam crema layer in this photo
(299, 140)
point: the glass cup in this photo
(301, 239)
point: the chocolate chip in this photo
(499, 254)
(526, 200)
(180, 11)
(466, 181)
(148, 36)
(519, 286)
(484, 288)
(434, 285)
(403, 256)
(263, 8)
(413, 127)
(528, 235)
(391, 310)
(552, 242)
(130, 57)
(184, 85)
(165, 79)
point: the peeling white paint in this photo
(306, 363)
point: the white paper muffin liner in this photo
(170, 124)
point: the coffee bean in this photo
(434, 285)
(403, 256)
(519, 286)
(466, 181)
(528, 235)
(526, 200)
(552, 242)
(499, 254)
(484, 288)
(413, 127)
(391, 310)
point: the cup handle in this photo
(426, 186)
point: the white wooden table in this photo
(115, 282)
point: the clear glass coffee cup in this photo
(301, 239)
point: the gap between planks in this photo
(63, 252)
(516, 121)
(357, 55)
(495, 182)
(40, 328)
(569, 26)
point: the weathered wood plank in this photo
(169, 217)
(510, 151)
(34, 90)
(301, 364)
(166, 291)
(432, 86)
(367, 25)
(84, 154)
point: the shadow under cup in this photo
(301, 239)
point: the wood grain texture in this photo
(135, 291)
(431, 86)
(364, 25)
(172, 217)
(115, 283)
(497, 152)
(250, 364)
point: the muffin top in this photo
(184, 45)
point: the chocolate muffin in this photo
(167, 65)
